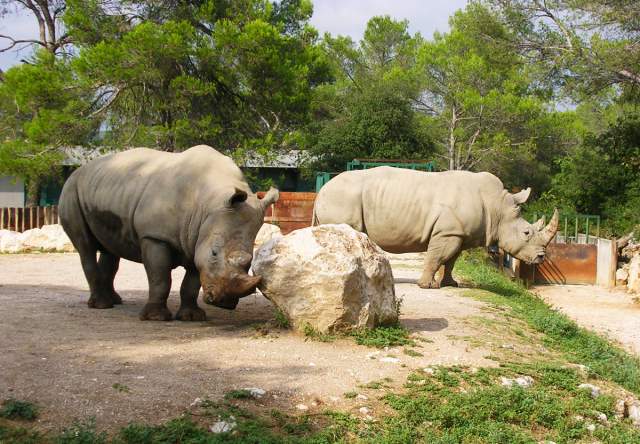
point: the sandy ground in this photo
(66, 357)
(613, 313)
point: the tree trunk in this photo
(452, 139)
(33, 192)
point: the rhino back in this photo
(402, 209)
(140, 193)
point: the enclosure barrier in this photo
(26, 218)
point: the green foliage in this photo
(381, 337)
(311, 333)
(81, 433)
(15, 409)
(605, 360)
(281, 320)
(238, 394)
(121, 388)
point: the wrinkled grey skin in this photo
(406, 211)
(191, 209)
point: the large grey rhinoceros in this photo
(406, 211)
(192, 209)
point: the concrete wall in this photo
(11, 192)
(607, 262)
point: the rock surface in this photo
(50, 238)
(633, 281)
(266, 233)
(330, 277)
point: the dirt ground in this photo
(613, 313)
(67, 358)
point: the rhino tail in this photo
(314, 218)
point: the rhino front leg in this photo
(189, 310)
(440, 250)
(158, 260)
(447, 277)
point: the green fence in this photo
(576, 228)
(323, 177)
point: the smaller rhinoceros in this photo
(192, 209)
(406, 211)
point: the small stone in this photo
(620, 409)
(591, 428)
(196, 402)
(139, 377)
(312, 364)
(302, 407)
(429, 370)
(362, 397)
(334, 399)
(595, 391)
(255, 392)
(364, 410)
(522, 381)
(390, 360)
(373, 355)
(578, 418)
(223, 426)
(633, 409)
(602, 418)
(508, 346)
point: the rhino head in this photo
(225, 247)
(518, 237)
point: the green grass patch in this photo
(238, 394)
(381, 337)
(579, 345)
(15, 409)
(121, 388)
(280, 319)
(315, 335)
(411, 352)
(350, 395)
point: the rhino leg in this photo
(189, 310)
(108, 267)
(441, 249)
(447, 277)
(158, 263)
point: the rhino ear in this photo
(271, 197)
(522, 196)
(238, 196)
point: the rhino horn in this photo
(270, 198)
(539, 224)
(242, 285)
(550, 230)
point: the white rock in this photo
(10, 241)
(362, 397)
(58, 239)
(633, 282)
(591, 427)
(633, 411)
(266, 233)
(595, 391)
(330, 277)
(620, 408)
(429, 370)
(602, 418)
(255, 392)
(522, 381)
(364, 410)
(621, 276)
(390, 360)
(302, 407)
(196, 402)
(223, 426)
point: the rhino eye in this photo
(527, 232)
(214, 253)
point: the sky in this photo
(345, 17)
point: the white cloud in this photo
(349, 17)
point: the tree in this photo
(369, 110)
(231, 74)
(584, 46)
(48, 14)
(40, 111)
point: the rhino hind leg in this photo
(158, 263)
(441, 249)
(108, 267)
(447, 277)
(189, 310)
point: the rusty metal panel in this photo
(292, 211)
(565, 264)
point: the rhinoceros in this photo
(191, 209)
(407, 211)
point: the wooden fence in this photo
(292, 211)
(22, 219)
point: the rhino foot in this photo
(449, 283)
(115, 297)
(100, 302)
(428, 284)
(191, 314)
(155, 312)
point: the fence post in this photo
(1, 218)
(22, 211)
